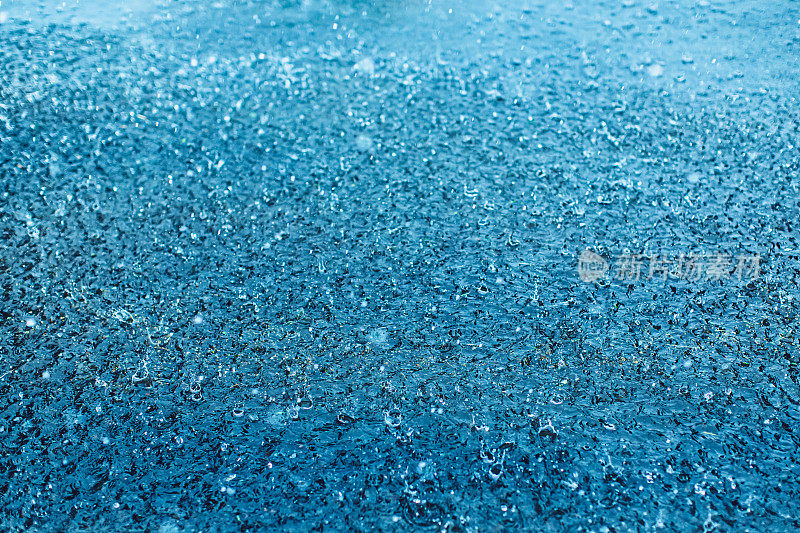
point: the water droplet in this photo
(344, 419)
(495, 471)
(364, 143)
(392, 419)
(378, 336)
(546, 429)
(305, 403)
(487, 456)
(365, 66)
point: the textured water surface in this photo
(314, 265)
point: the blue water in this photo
(323, 266)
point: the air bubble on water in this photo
(30, 322)
(198, 318)
(45, 375)
(694, 177)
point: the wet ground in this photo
(315, 265)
